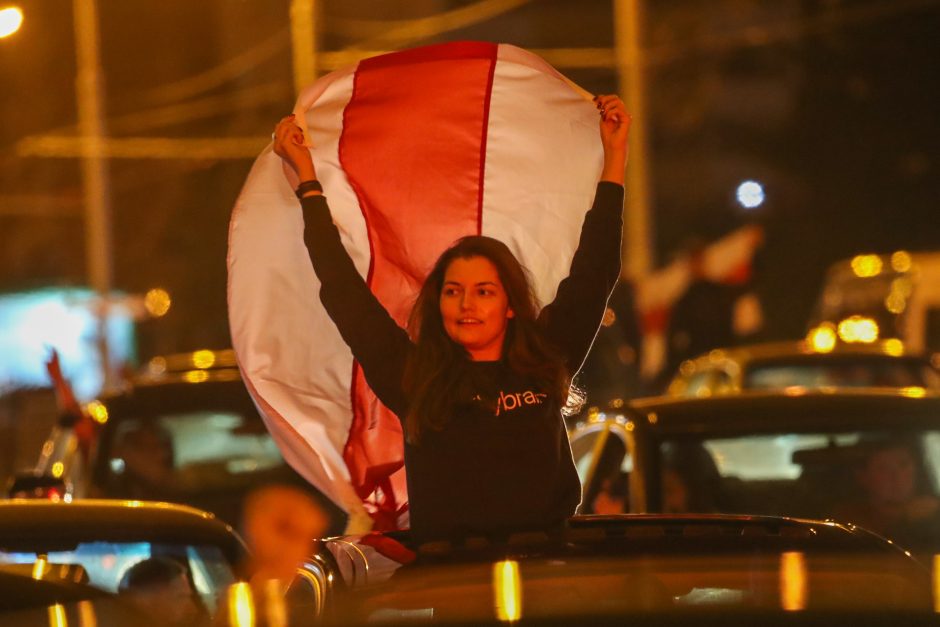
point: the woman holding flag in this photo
(481, 376)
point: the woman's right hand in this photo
(289, 145)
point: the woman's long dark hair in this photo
(436, 367)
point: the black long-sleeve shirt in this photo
(489, 469)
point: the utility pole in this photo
(629, 26)
(304, 44)
(96, 181)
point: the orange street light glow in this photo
(11, 18)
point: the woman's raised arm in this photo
(571, 320)
(377, 342)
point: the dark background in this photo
(831, 104)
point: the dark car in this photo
(867, 457)
(185, 430)
(620, 569)
(85, 550)
(820, 362)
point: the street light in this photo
(11, 18)
(750, 194)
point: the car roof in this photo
(630, 535)
(24, 521)
(184, 382)
(205, 359)
(195, 367)
(771, 351)
(175, 395)
(791, 410)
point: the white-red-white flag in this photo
(414, 150)
(727, 260)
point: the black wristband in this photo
(308, 186)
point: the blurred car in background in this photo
(83, 551)
(869, 457)
(32, 484)
(883, 296)
(618, 568)
(818, 362)
(185, 430)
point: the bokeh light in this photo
(793, 581)
(157, 301)
(203, 359)
(11, 18)
(157, 366)
(507, 591)
(865, 266)
(750, 194)
(858, 329)
(822, 339)
(914, 392)
(97, 411)
(894, 347)
(901, 261)
(241, 605)
(195, 376)
(895, 303)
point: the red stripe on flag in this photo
(412, 147)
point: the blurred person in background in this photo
(282, 526)
(710, 314)
(896, 500)
(160, 586)
(146, 449)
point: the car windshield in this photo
(200, 458)
(849, 371)
(886, 482)
(104, 565)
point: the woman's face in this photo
(475, 307)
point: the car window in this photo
(604, 473)
(768, 457)
(868, 371)
(211, 574)
(187, 452)
(104, 564)
(886, 482)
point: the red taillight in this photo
(54, 495)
